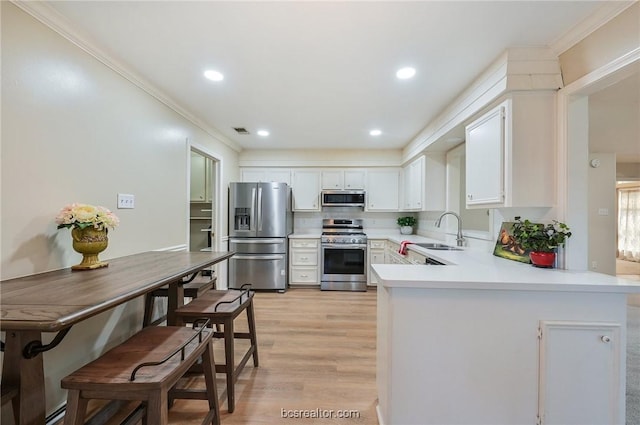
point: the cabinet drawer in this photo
(376, 244)
(304, 257)
(304, 275)
(304, 243)
(392, 246)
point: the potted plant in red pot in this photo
(541, 240)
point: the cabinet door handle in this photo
(304, 258)
(605, 338)
(304, 275)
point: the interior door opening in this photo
(201, 202)
(628, 226)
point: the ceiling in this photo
(315, 74)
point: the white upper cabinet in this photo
(383, 186)
(435, 178)
(413, 185)
(355, 179)
(485, 158)
(343, 179)
(200, 181)
(280, 175)
(306, 190)
(510, 157)
(424, 183)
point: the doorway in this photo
(204, 206)
(628, 252)
(591, 123)
(201, 205)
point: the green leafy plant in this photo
(538, 237)
(407, 221)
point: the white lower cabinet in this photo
(392, 254)
(542, 357)
(415, 258)
(304, 258)
(579, 373)
(375, 255)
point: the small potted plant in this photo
(406, 224)
(540, 239)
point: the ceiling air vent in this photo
(241, 130)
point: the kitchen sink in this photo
(438, 246)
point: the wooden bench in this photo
(222, 308)
(193, 288)
(10, 394)
(146, 367)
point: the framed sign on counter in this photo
(507, 246)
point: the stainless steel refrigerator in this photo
(260, 219)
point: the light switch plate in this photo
(126, 200)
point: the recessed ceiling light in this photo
(375, 132)
(404, 73)
(214, 75)
(263, 133)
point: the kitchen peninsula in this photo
(485, 340)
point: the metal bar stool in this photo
(147, 368)
(221, 308)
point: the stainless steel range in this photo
(343, 255)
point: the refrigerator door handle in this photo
(257, 257)
(252, 219)
(259, 208)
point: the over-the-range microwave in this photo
(343, 198)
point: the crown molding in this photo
(54, 20)
(606, 12)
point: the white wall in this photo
(604, 57)
(628, 171)
(614, 39)
(602, 214)
(74, 130)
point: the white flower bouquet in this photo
(82, 215)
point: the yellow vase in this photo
(89, 242)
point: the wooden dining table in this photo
(55, 301)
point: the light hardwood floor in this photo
(317, 351)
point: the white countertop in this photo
(473, 269)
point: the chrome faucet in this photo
(459, 237)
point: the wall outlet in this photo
(603, 211)
(594, 265)
(126, 200)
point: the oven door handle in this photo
(345, 246)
